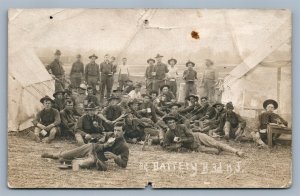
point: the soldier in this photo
(193, 107)
(136, 93)
(190, 75)
(107, 71)
(90, 98)
(68, 118)
(150, 75)
(179, 137)
(59, 100)
(56, 69)
(112, 113)
(154, 97)
(96, 154)
(46, 122)
(231, 123)
(172, 75)
(212, 125)
(147, 109)
(267, 117)
(205, 112)
(77, 72)
(89, 126)
(123, 71)
(79, 99)
(133, 107)
(209, 80)
(92, 72)
(165, 90)
(129, 87)
(161, 70)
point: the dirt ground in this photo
(260, 168)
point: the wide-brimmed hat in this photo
(93, 55)
(190, 62)
(218, 103)
(165, 85)
(118, 89)
(229, 105)
(153, 92)
(78, 56)
(89, 87)
(270, 101)
(133, 101)
(195, 97)
(57, 52)
(151, 60)
(146, 95)
(59, 91)
(172, 59)
(46, 98)
(158, 56)
(90, 106)
(83, 86)
(175, 104)
(169, 117)
(114, 97)
(204, 97)
(210, 62)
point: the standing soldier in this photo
(190, 75)
(92, 72)
(209, 80)
(123, 74)
(150, 75)
(161, 71)
(172, 75)
(106, 71)
(77, 71)
(55, 68)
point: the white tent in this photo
(240, 42)
(28, 81)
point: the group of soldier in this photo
(102, 130)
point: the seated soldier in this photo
(136, 130)
(266, 118)
(179, 137)
(68, 118)
(192, 108)
(96, 154)
(163, 104)
(128, 87)
(117, 92)
(90, 98)
(136, 93)
(165, 90)
(213, 125)
(154, 97)
(112, 113)
(59, 100)
(205, 112)
(46, 122)
(79, 96)
(89, 126)
(133, 107)
(147, 109)
(232, 125)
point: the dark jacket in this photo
(269, 117)
(85, 124)
(234, 119)
(47, 117)
(91, 69)
(56, 68)
(77, 67)
(68, 120)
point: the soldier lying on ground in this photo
(46, 122)
(179, 137)
(95, 154)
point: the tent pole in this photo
(278, 86)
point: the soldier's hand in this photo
(110, 142)
(110, 155)
(88, 137)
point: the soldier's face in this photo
(124, 61)
(159, 59)
(69, 106)
(57, 57)
(153, 95)
(106, 57)
(172, 63)
(192, 100)
(270, 108)
(172, 124)
(129, 119)
(151, 62)
(204, 102)
(90, 91)
(93, 59)
(114, 102)
(59, 96)
(146, 99)
(47, 104)
(91, 112)
(190, 66)
(165, 89)
(118, 132)
(219, 108)
(78, 58)
(229, 110)
(174, 110)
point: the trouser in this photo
(149, 85)
(76, 79)
(48, 137)
(67, 131)
(106, 83)
(256, 136)
(173, 87)
(190, 88)
(59, 83)
(209, 86)
(208, 144)
(92, 81)
(231, 132)
(122, 80)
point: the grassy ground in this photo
(261, 168)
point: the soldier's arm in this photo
(36, 121)
(189, 135)
(122, 160)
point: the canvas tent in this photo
(246, 45)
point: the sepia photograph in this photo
(171, 98)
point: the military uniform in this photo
(55, 67)
(230, 123)
(91, 99)
(76, 74)
(205, 112)
(107, 71)
(92, 74)
(150, 113)
(190, 87)
(209, 84)
(68, 121)
(111, 112)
